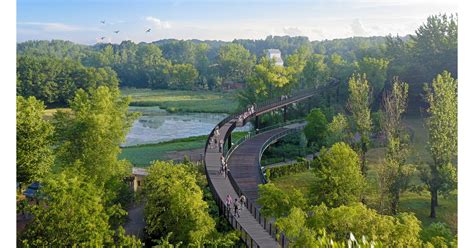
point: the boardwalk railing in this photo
(267, 224)
(253, 133)
(269, 142)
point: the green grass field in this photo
(142, 155)
(183, 101)
(418, 203)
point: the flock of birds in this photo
(117, 31)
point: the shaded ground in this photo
(136, 220)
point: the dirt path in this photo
(136, 220)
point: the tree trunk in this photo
(394, 203)
(434, 196)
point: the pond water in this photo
(157, 125)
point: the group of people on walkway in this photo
(238, 204)
(250, 111)
(215, 140)
(224, 167)
(283, 97)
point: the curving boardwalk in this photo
(245, 173)
(244, 160)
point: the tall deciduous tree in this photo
(443, 140)
(235, 62)
(88, 138)
(359, 106)
(376, 71)
(393, 231)
(315, 71)
(71, 212)
(338, 130)
(316, 130)
(267, 81)
(276, 202)
(175, 205)
(396, 172)
(338, 177)
(34, 156)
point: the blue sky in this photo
(79, 20)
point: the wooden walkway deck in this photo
(245, 176)
(244, 160)
(222, 186)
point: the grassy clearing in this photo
(301, 181)
(143, 155)
(183, 101)
(420, 205)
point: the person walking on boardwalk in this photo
(228, 203)
(242, 200)
(226, 170)
(236, 208)
(221, 145)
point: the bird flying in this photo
(148, 30)
(103, 22)
(102, 38)
(116, 31)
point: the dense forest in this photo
(215, 65)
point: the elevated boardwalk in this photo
(245, 174)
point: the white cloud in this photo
(56, 27)
(157, 23)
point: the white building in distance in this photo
(275, 54)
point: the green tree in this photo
(316, 130)
(267, 81)
(175, 205)
(443, 140)
(88, 137)
(338, 177)
(55, 80)
(34, 156)
(315, 72)
(435, 45)
(395, 173)
(338, 129)
(276, 202)
(71, 213)
(235, 62)
(393, 231)
(182, 76)
(295, 229)
(437, 232)
(376, 71)
(359, 107)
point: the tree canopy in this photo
(316, 130)
(34, 154)
(71, 213)
(338, 177)
(175, 205)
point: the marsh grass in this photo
(183, 101)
